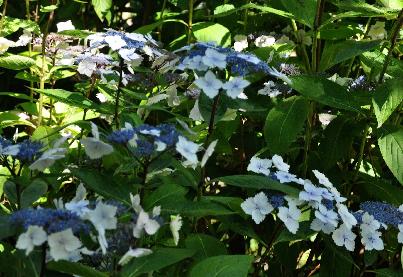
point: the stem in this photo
(3, 15)
(116, 118)
(43, 69)
(393, 38)
(302, 47)
(43, 266)
(212, 116)
(361, 153)
(245, 17)
(190, 21)
(315, 44)
(308, 137)
(164, 4)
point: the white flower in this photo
(318, 225)
(372, 240)
(336, 195)
(322, 179)
(24, 39)
(63, 244)
(326, 118)
(135, 201)
(209, 151)
(347, 218)
(279, 163)
(187, 149)
(377, 31)
(258, 207)
(285, 177)
(274, 72)
(326, 216)
(209, 84)
(343, 236)
(34, 236)
(290, 217)
(86, 67)
(249, 58)
(400, 235)
(5, 44)
(131, 57)
(65, 26)
(265, 41)
(369, 223)
(115, 42)
(269, 89)
(94, 147)
(48, 158)
(175, 225)
(311, 193)
(11, 150)
(258, 165)
(152, 132)
(144, 222)
(241, 42)
(213, 58)
(103, 216)
(195, 112)
(134, 253)
(196, 63)
(235, 86)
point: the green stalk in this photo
(393, 38)
(302, 47)
(164, 4)
(308, 137)
(316, 43)
(3, 14)
(190, 21)
(120, 84)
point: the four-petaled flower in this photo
(209, 84)
(258, 207)
(34, 236)
(235, 86)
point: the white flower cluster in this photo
(331, 214)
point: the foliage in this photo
(201, 138)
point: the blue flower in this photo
(276, 200)
(4, 142)
(144, 148)
(383, 212)
(121, 136)
(50, 219)
(28, 150)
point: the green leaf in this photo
(5, 227)
(16, 62)
(327, 92)
(74, 99)
(148, 28)
(32, 193)
(10, 190)
(304, 11)
(11, 25)
(165, 196)
(388, 272)
(16, 95)
(105, 185)
(102, 8)
(392, 4)
(337, 141)
(335, 258)
(205, 246)
(160, 258)
(373, 64)
(264, 9)
(258, 182)
(76, 33)
(48, 9)
(223, 266)
(223, 8)
(379, 189)
(336, 52)
(391, 145)
(76, 269)
(284, 122)
(386, 99)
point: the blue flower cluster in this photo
(28, 150)
(4, 142)
(240, 63)
(383, 212)
(50, 219)
(276, 200)
(146, 137)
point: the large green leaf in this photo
(304, 11)
(258, 182)
(166, 196)
(5, 227)
(263, 9)
(105, 185)
(102, 7)
(284, 122)
(223, 266)
(386, 99)
(11, 25)
(74, 99)
(379, 189)
(391, 145)
(336, 52)
(76, 269)
(32, 193)
(16, 62)
(393, 4)
(327, 92)
(335, 258)
(205, 246)
(337, 141)
(160, 258)
(373, 62)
